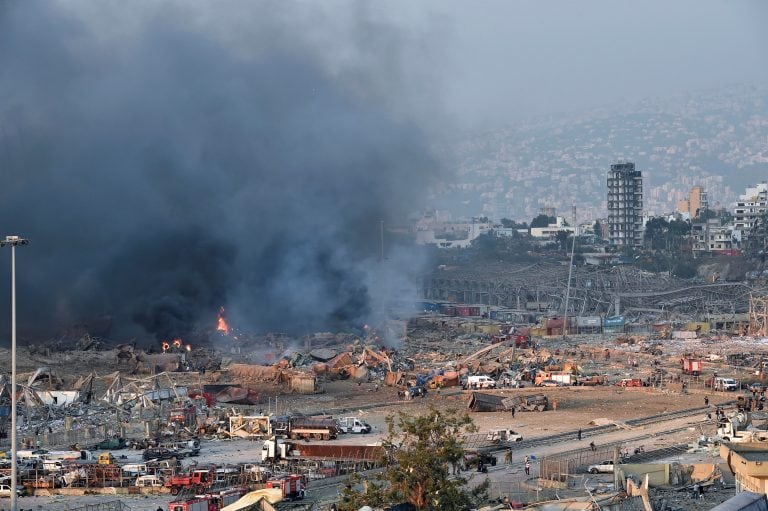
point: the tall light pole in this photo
(13, 241)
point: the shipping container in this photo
(589, 324)
(614, 325)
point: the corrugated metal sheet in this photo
(486, 403)
(303, 383)
(340, 452)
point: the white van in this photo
(149, 482)
(53, 465)
(728, 384)
(480, 382)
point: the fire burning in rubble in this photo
(175, 346)
(222, 325)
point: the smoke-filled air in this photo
(166, 160)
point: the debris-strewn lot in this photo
(222, 395)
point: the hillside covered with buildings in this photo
(717, 140)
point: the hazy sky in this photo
(168, 158)
(499, 60)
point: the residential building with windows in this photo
(711, 237)
(551, 230)
(695, 204)
(625, 205)
(750, 206)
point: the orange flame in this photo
(222, 325)
(177, 343)
(166, 346)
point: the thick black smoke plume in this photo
(167, 162)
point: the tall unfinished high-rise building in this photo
(625, 205)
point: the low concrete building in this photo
(749, 464)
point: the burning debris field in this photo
(299, 414)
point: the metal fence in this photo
(527, 489)
(112, 505)
(561, 466)
(63, 438)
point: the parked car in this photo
(159, 453)
(757, 387)
(550, 383)
(5, 491)
(111, 444)
(604, 467)
(419, 391)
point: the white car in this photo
(5, 491)
(605, 467)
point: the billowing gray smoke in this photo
(164, 166)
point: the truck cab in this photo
(106, 458)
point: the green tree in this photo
(542, 221)
(422, 452)
(663, 235)
(598, 229)
(488, 247)
(562, 239)
(511, 224)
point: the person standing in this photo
(527, 467)
(706, 400)
(578, 435)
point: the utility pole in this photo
(381, 241)
(570, 271)
(13, 241)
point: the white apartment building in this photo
(551, 230)
(749, 207)
(712, 237)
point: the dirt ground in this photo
(576, 407)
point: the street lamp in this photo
(13, 241)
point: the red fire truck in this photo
(207, 502)
(692, 366)
(293, 486)
(199, 480)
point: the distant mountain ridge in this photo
(716, 139)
